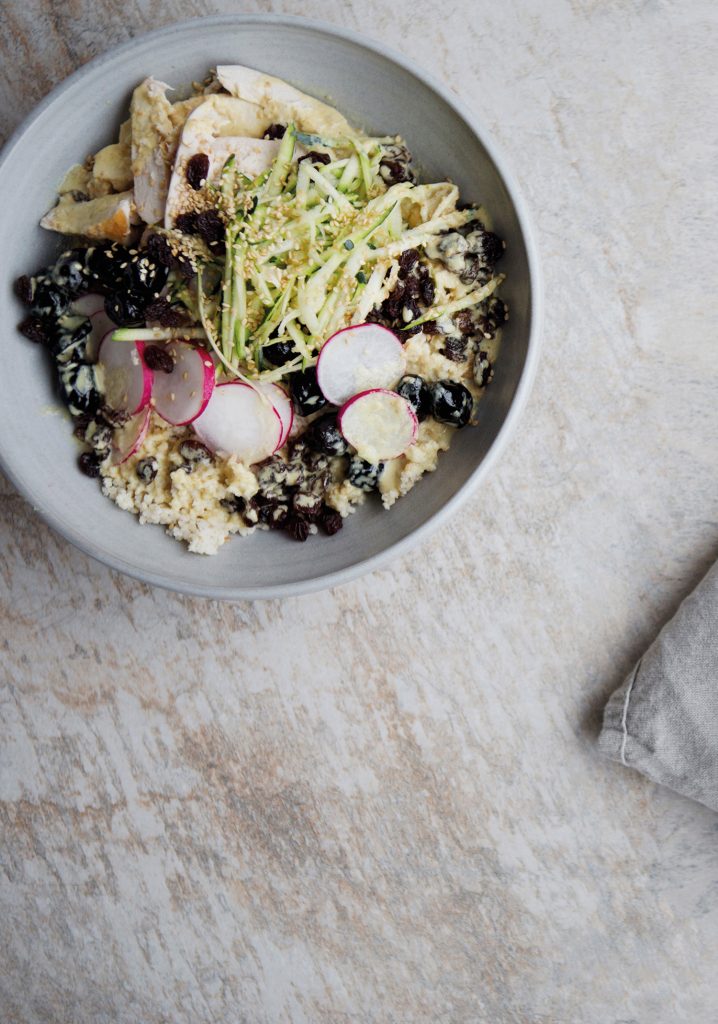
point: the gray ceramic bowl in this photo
(377, 90)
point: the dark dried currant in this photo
(483, 370)
(307, 506)
(455, 348)
(36, 330)
(147, 470)
(194, 451)
(330, 521)
(159, 358)
(315, 158)
(297, 528)
(165, 314)
(23, 288)
(407, 261)
(197, 170)
(210, 227)
(186, 223)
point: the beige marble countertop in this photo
(370, 805)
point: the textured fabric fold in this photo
(663, 720)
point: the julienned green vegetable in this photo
(157, 333)
(307, 246)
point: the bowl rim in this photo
(523, 388)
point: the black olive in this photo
(451, 403)
(49, 302)
(71, 338)
(325, 436)
(145, 276)
(80, 388)
(305, 391)
(417, 393)
(106, 266)
(126, 308)
(69, 272)
(279, 353)
(363, 474)
(89, 463)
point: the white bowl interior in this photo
(374, 91)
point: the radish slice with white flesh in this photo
(241, 422)
(380, 424)
(357, 359)
(180, 396)
(127, 378)
(93, 305)
(283, 404)
(101, 325)
(88, 305)
(128, 438)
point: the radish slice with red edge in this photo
(127, 379)
(283, 404)
(380, 424)
(127, 439)
(180, 396)
(358, 359)
(241, 422)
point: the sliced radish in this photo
(128, 438)
(127, 379)
(238, 421)
(101, 325)
(283, 404)
(93, 305)
(358, 359)
(380, 424)
(88, 305)
(179, 397)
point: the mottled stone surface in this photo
(384, 803)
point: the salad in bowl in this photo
(262, 318)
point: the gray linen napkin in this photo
(663, 721)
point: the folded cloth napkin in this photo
(663, 721)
